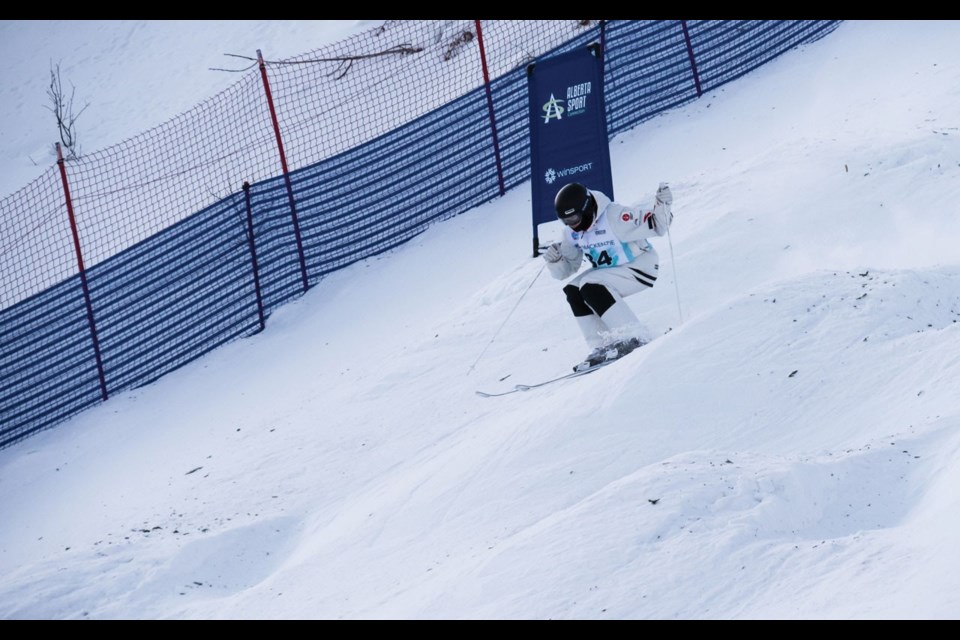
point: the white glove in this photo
(552, 254)
(664, 194)
(663, 216)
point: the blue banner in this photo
(568, 129)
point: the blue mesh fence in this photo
(174, 296)
(386, 191)
(383, 134)
(47, 366)
(726, 50)
(642, 81)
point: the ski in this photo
(625, 349)
(527, 387)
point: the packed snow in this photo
(787, 446)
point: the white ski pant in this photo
(596, 298)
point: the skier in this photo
(614, 239)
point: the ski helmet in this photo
(576, 206)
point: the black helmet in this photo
(576, 206)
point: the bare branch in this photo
(62, 107)
(457, 43)
(344, 62)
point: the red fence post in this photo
(493, 120)
(83, 273)
(693, 60)
(286, 172)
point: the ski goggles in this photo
(571, 220)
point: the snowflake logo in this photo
(550, 176)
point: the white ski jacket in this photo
(617, 236)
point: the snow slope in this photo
(788, 451)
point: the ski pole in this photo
(673, 263)
(505, 319)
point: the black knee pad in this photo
(575, 299)
(597, 296)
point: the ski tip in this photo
(482, 394)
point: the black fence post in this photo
(253, 254)
(603, 37)
(693, 60)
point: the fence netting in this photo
(381, 135)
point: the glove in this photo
(552, 254)
(663, 216)
(664, 194)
